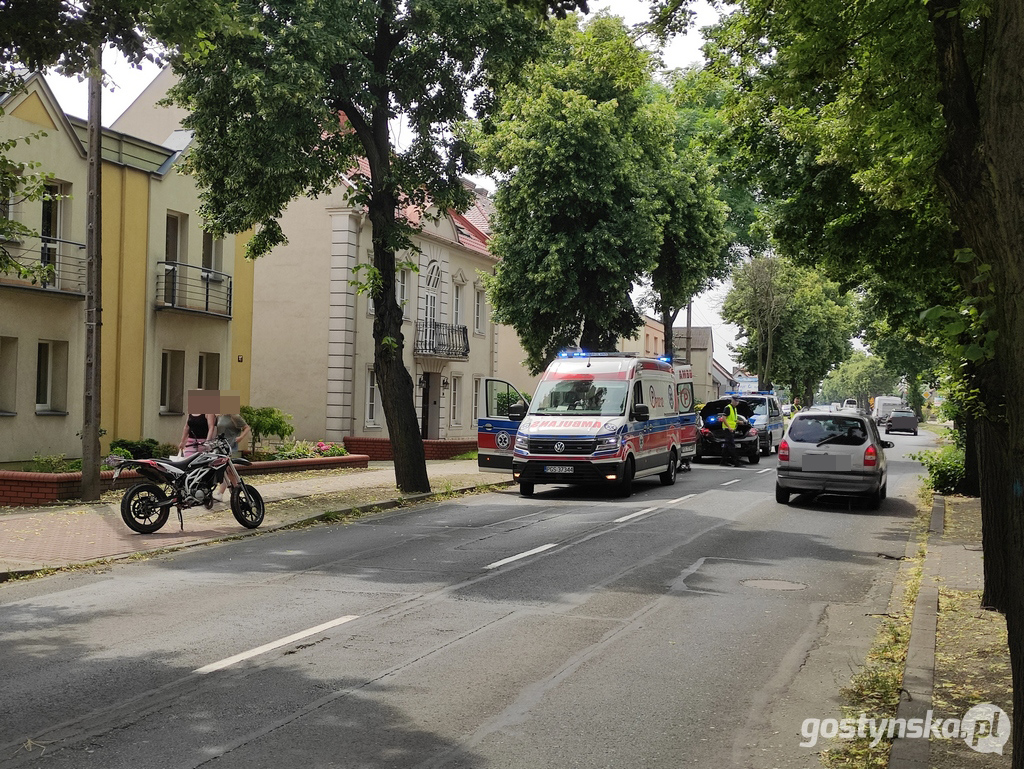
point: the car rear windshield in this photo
(834, 428)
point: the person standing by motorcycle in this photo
(232, 428)
(200, 422)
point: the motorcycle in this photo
(186, 483)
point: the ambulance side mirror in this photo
(517, 411)
(640, 413)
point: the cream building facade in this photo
(176, 304)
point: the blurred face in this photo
(213, 402)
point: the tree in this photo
(286, 102)
(581, 144)
(815, 321)
(938, 139)
(761, 290)
(860, 376)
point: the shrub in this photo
(267, 420)
(119, 452)
(296, 450)
(143, 449)
(945, 467)
(165, 450)
(330, 450)
(51, 463)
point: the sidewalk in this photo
(57, 536)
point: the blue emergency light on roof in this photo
(585, 354)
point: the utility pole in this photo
(93, 298)
(689, 320)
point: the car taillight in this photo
(784, 451)
(870, 456)
(753, 431)
(705, 431)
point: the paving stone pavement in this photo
(57, 536)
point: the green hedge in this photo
(945, 468)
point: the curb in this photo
(919, 668)
(385, 504)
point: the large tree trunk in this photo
(971, 484)
(981, 173)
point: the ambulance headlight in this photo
(522, 442)
(608, 442)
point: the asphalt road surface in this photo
(692, 625)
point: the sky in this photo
(126, 83)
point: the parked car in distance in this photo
(787, 409)
(832, 453)
(711, 435)
(901, 421)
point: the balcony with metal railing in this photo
(55, 265)
(188, 287)
(441, 340)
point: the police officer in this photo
(729, 456)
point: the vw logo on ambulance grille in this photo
(559, 447)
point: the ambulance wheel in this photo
(669, 476)
(526, 489)
(626, 482)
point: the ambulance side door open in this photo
(496, 432)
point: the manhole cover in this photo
(773, 584)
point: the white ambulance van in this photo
(598, 418)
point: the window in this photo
(51, 376)
(209, 371)
(476, 398)
(213, 253)
(430, 304)
(173, 253)
(457, 304)
(402, 291)
(8, 374)
(372, 398)
(456, 414)
(478, 312)
(172, 382)
(50, 226)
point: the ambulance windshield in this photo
(585, 396)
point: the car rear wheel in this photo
(781, 495)
(875, 500)
(754, 457)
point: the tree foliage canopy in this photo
(860, 376)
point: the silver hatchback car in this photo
(832, 453)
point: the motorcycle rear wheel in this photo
(140, 510)
(247, 507)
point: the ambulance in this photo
(596, 418)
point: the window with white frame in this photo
(209, 371)
(8, 374)
(456, 403)
(478, 311)
(477, 384)
(457, 291)
(372, 399)
(213, 253)
(51, 376)
(172, 382)
(402, 291)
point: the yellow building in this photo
(176, 303)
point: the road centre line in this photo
(766, 470)
(228, 661)
(681, 499)
(527, 554)
(734, 480)
(637, 514)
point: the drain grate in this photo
(773, 584)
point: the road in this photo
(692, 625)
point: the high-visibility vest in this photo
(730, 416)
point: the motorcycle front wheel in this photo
(141, 510)
(247, 506)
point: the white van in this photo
(598, 418)
(884, 404)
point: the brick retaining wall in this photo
(26, 489)
(379, 449)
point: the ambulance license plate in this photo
(559, 469)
